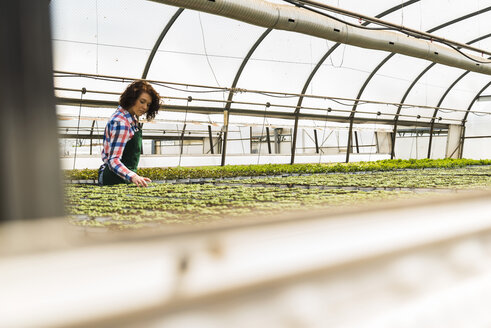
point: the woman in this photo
(122, 142)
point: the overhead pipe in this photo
(301, 20)
(375, 20)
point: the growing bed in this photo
(225, 198)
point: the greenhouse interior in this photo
(298, 163)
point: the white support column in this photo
(384, 142)
(454, 146)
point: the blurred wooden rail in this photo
(409, 264)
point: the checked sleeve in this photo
(116, 137)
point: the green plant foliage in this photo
(125, 206)
(171, 173)
(457, 178)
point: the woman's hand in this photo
(140, 181)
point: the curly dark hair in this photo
(134, 90)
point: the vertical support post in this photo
(268, 140)
(462, 139)
(182, 138)
(225, 133)
(219, 143)
(30, 176)
(393, 141)
(231, 93)
(316, 142)
(294, 137)
(250, 139)
(276, 141)
(356, 142)
(91, 134)
(157, 147)
(431, 137)
(210, 136)
(350, 141)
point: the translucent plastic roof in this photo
(116, 38)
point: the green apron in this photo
(130, 158)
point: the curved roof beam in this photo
(319, 64)
(403, 99)
(436, 110)
(156, 46)
(409, 89)
(231, 93)
(445, 95)
(467, 113)
(362, 89)
(464, 120)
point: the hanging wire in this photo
(262, 131)
(241, 141)
(373, 136)
(78, 126)
(266, 93)
(205, 50)
(415, 139)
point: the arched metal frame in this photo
(464, 120)
(434, 113)
(367, 81)
(447, 92)
(403, 99)
(156, 46)
(319, 64)
(436, 109)
(234, 84)
(226, 111)
(315, 70)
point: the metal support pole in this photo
(316, 142)
(268, 140)
(294, 137)
(91, 134)
(462, 139)
(225, 133)
(218, 144)
(182, 139)
(356, 142)
(393, 142)
(210, 136)
(250, 140)
(276, 141)
(431, 138)
(226, 111)
(30, 175)
(350, 132)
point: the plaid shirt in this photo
(119, 130)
